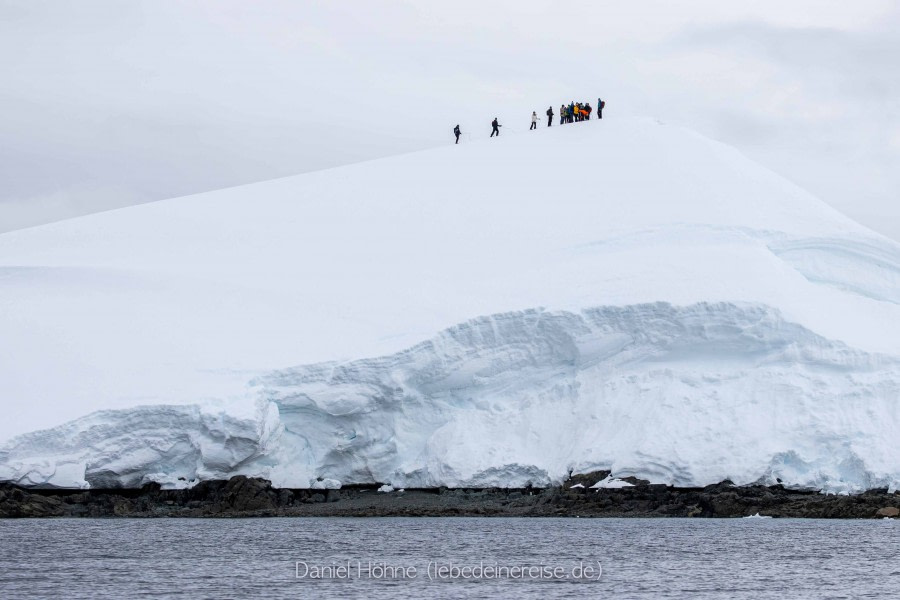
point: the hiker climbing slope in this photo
(457, 132)
(496, 128)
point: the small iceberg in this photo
(758, 516)
(387, 489)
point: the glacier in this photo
(655, 305)
(683, 395)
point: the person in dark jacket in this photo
(550, 116)
(496, 128)
(457, 132)
(600, 105)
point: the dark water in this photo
(247, 558)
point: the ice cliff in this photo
(684, 395)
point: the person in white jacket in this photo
(533, 120)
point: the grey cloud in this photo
(835, 134)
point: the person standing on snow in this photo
(600, 105)
(496, 128)
(549, 116)
(562, 114)
(457, 132)
(533, 120)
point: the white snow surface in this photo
(625, 296)
(611, 483)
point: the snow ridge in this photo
(854, 265)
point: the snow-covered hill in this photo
(620, 295)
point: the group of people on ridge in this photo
(574, 112)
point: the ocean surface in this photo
(449, 558)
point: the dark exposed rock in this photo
(18, 502)
(586, 479)
(635, 481)
(245, 496)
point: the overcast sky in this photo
(108, 103)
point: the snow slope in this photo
(612, 295)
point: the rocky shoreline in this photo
(249, 497)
